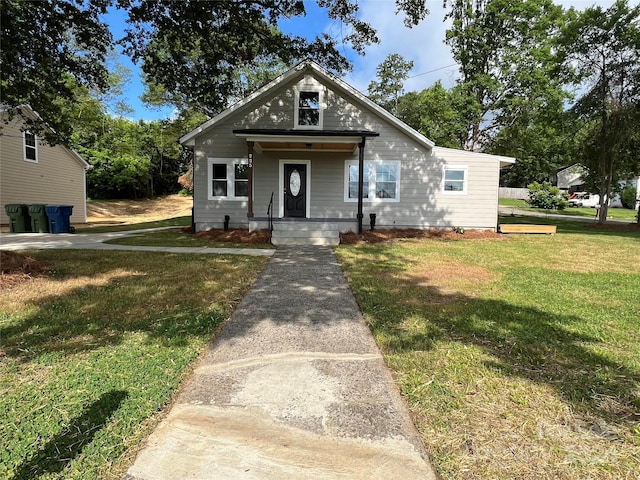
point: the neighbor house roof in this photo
(27, 111)
(309, 65)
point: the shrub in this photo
(628, 197)
(544, 195)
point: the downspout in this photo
(360, 183)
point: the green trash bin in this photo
(39, 220)
(18, 218)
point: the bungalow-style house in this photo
(320, 158)
(33, 172)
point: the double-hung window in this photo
(454, 179)
(381, 181)
(30, 147)
(308, 112)
(228, 179)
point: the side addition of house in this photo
(322, 158)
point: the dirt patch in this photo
(377, 236)
(116, 212)
(16, 268)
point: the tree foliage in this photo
(391, 74)
(44, 43)
(544, 195)
(435, 112)
(602, 48)
(192, 51)
(504, 50)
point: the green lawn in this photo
(518, 356)
(624, 214)
(94, 352)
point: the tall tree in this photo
(43, 43)
(504, 50)
(602, 48)
(193, 49)
(434, 112)
(391, 74)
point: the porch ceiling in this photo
(305, 140)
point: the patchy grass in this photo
(92, 354)
(518, 357)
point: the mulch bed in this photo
(16, 268)
(378, 236)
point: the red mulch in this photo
(377, 236)
(16, 268)
(239, 235)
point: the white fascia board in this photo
(504, 161)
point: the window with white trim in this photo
(454, 179)
(381, 182)
(228, 178)
(30, 147)
(308, 111)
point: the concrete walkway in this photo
(95, 241)
(294, 387)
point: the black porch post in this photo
(360, 183)
(250, 181)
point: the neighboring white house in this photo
(571, 179)
(304, 140)
(32, 172)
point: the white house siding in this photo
(422, 202)
(57, 178)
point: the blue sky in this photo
(424, 45)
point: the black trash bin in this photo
(59, 218)
(19, 221)
(39, 221)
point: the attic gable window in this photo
(308, 112)
(30, 147)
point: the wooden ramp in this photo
(524, 228)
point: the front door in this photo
(295, 190)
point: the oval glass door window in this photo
(294, 183)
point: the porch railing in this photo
(270, 216)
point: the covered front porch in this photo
(300, 210)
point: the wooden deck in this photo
(525, 228)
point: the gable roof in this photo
(306, 66)
(27, 111)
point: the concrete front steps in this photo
(309, 231)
